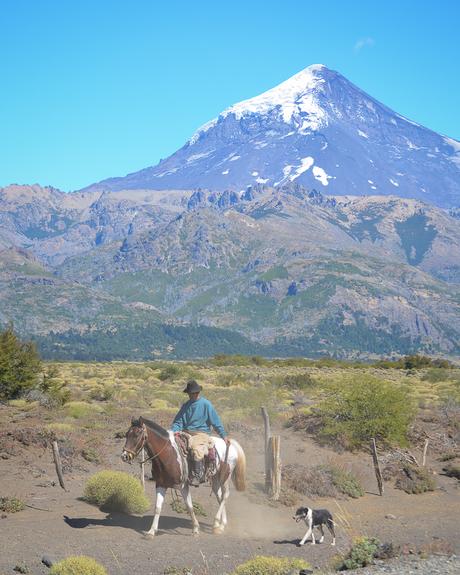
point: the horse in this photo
(170, 470)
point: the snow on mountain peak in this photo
(294, 101)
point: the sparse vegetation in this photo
(261, 565)
(320, 481)
(344, 481)
(452, 470)
(413, 479)
(361, 554)
(179, 507)
(299, 381)
(116, 491)
(90, 454)
(81, 409)
(11, 504)
(78, 565)
(103, 401)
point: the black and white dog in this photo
(315, 518)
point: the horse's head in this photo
(135, 439)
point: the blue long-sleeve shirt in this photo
(198, 415)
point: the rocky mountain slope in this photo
(316, 129)
(291, 269)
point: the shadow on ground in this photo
(288, 542)
(139, 524)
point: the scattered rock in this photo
(46, 560)
(390, 516)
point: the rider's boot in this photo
(197, 473)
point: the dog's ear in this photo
(305, 510)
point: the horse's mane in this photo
(152, 425)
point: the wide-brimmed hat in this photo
(192, 387)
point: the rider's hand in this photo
(227, 440)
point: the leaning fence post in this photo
(378, 474)
(57, 463)
(266, 446)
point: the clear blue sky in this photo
(100, 88)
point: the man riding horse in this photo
(196, 417)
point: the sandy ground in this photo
(60, 524)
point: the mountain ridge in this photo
(287, 268)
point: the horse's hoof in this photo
(195, 533)
(148, 534)
(218, 530)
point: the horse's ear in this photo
(133, 420)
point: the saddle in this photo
(209, 459)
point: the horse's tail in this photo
(239, 473)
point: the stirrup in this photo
(194, 481)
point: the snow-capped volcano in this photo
(316, 128)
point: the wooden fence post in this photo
(378, 474)
(275, 467)
(267, 452)
(425, 447)
(57, 463)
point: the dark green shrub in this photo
(414, 480)
(117, 491)
(361, 554)
(102, 392)
(261, 565)
(78, 565)
(363, 407)
(170, 372)
(55, 392)
(20, 365)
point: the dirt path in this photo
(70, 526)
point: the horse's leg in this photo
(223, 519)
(217, 489)
(189, 503)
(222, 492)
(160, 497)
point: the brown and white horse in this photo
(170, 471)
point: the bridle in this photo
(140, 444)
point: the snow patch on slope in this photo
(321, 175)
